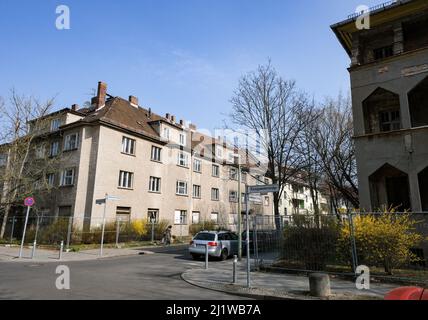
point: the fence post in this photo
(117, 232)
(70, 222)
(61, 249)
(255, 247)
(353, 243)
(13, 229)
(37, 228)
(33, 252)
(206, 257)
(153, 231)
(235, 274)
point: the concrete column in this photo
(398, 38)
(415, 197)
(355, 59)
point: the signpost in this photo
(262, 189)
(28, 202)
(100, 202)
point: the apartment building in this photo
(389, 80)
(157, 167)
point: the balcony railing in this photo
(374, 8)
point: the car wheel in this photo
(196, 256)
(224, 255)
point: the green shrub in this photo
(202, 226)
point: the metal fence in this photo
(392, 245)
(50, 231)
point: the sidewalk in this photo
(275, 286)
(10, 254)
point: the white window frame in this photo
(54, 149)
(216, 171)
(40, 152)
(216, 215)
(215, 194)
(67, 142)
(126, 179)
(182, 138)
(155, 184)
(181, 188)
(156, 214)
(128, 146)
(180, 217)
(55, 124)
(68, 173)
(233, 174)
(233, 196)
(50, 179)
(156, 154)
(197, 195)
(166, 133)
(219, 152)
(183, 159)
(197, 165)
(196, 217)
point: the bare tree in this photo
(275, 113)
(23, 121)
(333, 142)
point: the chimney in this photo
(133, 101)
(182, 123)
(192, 126)
(173, 119)
(150, 113)
(100, 100)
(168, 116)
(75, 107)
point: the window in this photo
(266, 201)
(298, 204)
(123, 214)
(233, 196)
(243, 197)
(3, 160)
(64, 211)
(215, 194)
(389, 121)
(195, 217)
(214, 217)
(233, 174)
(166, 133)
(71, 141)
(219, 152)
(197, 165)
(298, 189)
(40, 152)
(54, 149)
(216, 171)
(196, 191)
(244, 177)
(126, 179)
(183, 159)
(153, 215)
(50, 179)
(156, 153)
(180, 217)
(182, 139)
(383, 52)
(128, 146)
(67, 177)
(155, 184)
(181, 188)
(55, 124)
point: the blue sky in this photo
(184, 57)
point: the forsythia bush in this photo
(382, 240)
(139, 227)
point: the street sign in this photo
(29, 202)
(100, 201)
(112, 198)
(263, 189)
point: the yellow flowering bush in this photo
(382, 240)
(139, 227)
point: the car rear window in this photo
(205, 236)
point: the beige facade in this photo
(110, 155)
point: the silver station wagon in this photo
(221, 244)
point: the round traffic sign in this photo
(29, 202)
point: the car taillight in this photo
(212, 244)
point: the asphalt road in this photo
(152, 277)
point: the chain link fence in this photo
(79, 231)
(392, 245)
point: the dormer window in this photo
(55, 124)
(166, 133)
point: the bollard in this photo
(235, 274)
(117, 233)
(33, 252)
(319, 284)
(61, 249)
(206, 257)
(70, 222)
(12, 231)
